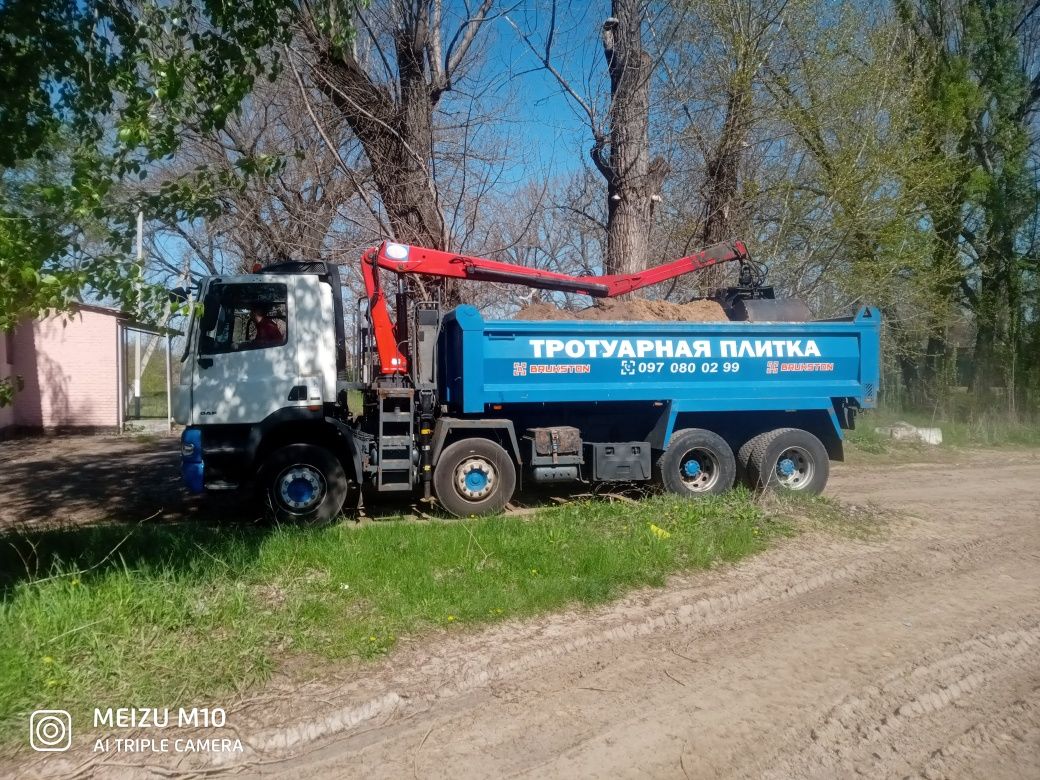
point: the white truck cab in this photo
(263, 343)
(262, 392)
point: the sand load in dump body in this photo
(681, 369)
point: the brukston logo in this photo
(50, 731)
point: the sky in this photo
(547, 124)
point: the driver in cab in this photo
(267, 332)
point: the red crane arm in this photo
(403, 259)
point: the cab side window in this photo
(249, 316)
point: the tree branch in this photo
(468, 31)
(332, 147)
(544, 60)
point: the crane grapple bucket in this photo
(770, 310)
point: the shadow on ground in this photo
(183, 547)
(89, 503)
(83, 480)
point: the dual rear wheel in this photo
(785, 459)
(700, 462)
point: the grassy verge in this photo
(182, 613)
(979, 431)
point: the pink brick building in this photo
(71, 366)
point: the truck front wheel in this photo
(474, 477)
(303, 483)
(697, 462)
(788, 459)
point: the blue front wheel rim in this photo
(300, 488)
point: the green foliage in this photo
(972, 115)
(9, 386)
(92, 94)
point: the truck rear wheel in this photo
(697, 462)
(303, 483)
(788, 459)
(743, 456)
(474, 477)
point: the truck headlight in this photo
(191, 444)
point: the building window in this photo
(9, 346)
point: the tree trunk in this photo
(985, 373)
(721, 190)
(397, 140)
(633, 180)
(723, 169)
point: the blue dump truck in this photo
(466, 409)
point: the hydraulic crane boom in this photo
(403, 259)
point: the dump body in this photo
(690, 367)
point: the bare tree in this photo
(621, 143)
(386, 88)
(268, 189)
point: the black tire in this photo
(474, 477)
(807, 464)
(743, 456)
(696, 463)
(303, 484)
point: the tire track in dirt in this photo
(880, 720)
(1010, 733)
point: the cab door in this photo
(245, 360)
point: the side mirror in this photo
(210, 309)
(178, 295)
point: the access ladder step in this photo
(395, 464)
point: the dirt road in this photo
(915, 653)
(912, 652)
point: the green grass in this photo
(981, 430)
(153, 379)
(187, 612)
